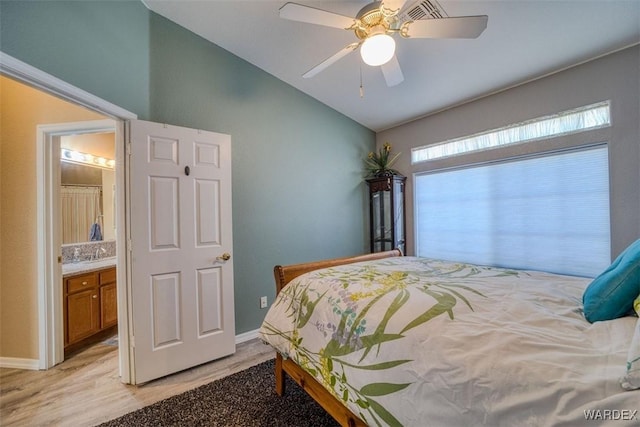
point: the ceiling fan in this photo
(375, 25)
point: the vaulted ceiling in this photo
(524, 40)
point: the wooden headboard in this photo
(284, 274)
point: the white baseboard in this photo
(246, 336)
(19, 363)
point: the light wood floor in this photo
(85, 390)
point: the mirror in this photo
(87, 170)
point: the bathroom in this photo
(88, 235)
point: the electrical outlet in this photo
(263, 302)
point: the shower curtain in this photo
(80, 210)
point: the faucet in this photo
(99, 251)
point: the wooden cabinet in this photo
(90, 305)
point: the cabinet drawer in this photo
(107, 276)
(79, 283)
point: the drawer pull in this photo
(95, 296)
(84, 283)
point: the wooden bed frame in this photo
(333, 406)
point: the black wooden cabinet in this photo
(387, 228)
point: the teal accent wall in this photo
(298, 190)
(99, 46)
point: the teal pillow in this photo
(611, 294)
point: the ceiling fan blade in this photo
(463, 27)
(311, 15)
(393, 5)
(392, 72)
(332, 59)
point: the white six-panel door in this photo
(182, 305)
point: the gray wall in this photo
(615, 77)
(298, 192)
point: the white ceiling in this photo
(524, 39)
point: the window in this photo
(585, 118)
(549, 212)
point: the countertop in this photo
(75, 268)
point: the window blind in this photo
(567, 122)
(548, 213)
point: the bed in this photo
(385, 339)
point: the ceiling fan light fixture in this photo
(378, 49)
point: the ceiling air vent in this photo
(426, 9)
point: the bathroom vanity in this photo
(90, 311)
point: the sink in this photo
(88, 265)
(92, 261)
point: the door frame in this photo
(51, 326)
(50, 319)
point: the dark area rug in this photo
(247, 398)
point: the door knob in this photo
(224, 257)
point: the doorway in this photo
(36, 324)
(87, 232)
(75, 193)
(72, 301)
(203, 306)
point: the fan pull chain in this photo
(361, 88)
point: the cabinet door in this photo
(82, 315)
(108, 305)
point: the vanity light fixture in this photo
(72, 156)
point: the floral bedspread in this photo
(415, 341)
